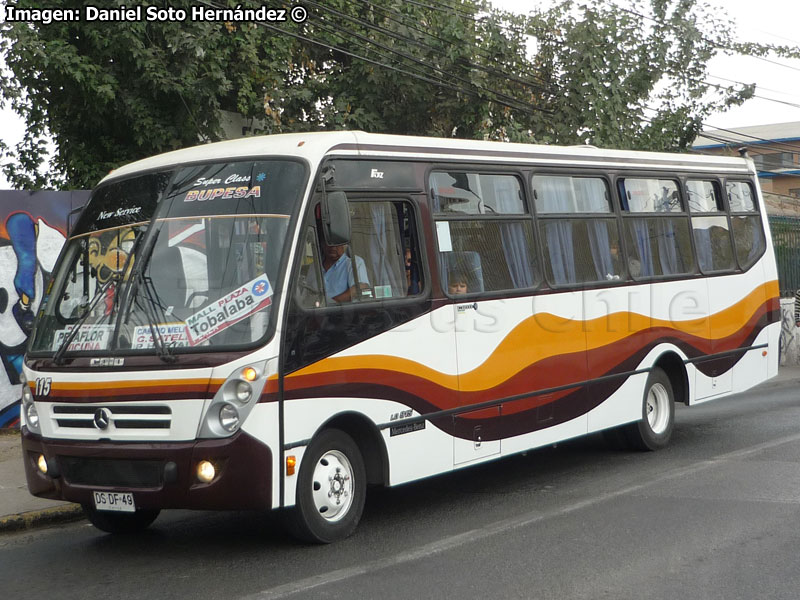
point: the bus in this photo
(280, 322)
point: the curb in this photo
(39, 518)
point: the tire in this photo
(112, 522)
(654, 430)
(331, 489)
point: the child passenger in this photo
(457, 283)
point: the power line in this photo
(500, 98)
(761, 87)
(394, 35)
(388, 12)
(436, 81)
(710, 41)
(426, 78)
(764, 142)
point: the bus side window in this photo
(385, 246)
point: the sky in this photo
(766, 21)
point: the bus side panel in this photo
(262, 424)
(505, 350)
(401, 373)
(740, 311)
(618, 334)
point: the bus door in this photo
(478, 431)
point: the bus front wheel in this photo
(654, 430)
(111, 522)
(331, 489)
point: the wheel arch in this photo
(369, 441)
(672, 364)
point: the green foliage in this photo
(109, 93)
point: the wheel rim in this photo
(332, 486)
(657, 407)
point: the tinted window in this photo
(581, 250)
(382, 260)
(704, 196)
(486, 255)
(558, 194)
(658, 246)
(741, 197)
(748, 238)
(713, 243)
(650, 195)
(476, 193)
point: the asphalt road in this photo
(715, 515)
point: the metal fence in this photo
(786, 239)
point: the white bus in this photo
(279, 322)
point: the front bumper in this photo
(159, 474)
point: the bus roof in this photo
(314, 146)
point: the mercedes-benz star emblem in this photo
(102, 418)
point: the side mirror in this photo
(335, 218)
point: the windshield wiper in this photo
(162, 350)
(149, 307)
(101, 293)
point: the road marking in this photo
(475, 535)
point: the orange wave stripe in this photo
(127, 384)
(554, 336)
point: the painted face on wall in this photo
(108, 253)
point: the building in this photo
(775, 149)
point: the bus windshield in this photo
(173, 262)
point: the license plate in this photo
(114, 501)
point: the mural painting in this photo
(33, 228)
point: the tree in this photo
(109, 93)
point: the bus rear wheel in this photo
(654, 430)
(331, 489)
(112, 522)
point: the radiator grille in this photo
(141, 416)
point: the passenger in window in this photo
(634, 264)
(457, 283)
(616, 260)
(340, 282)
(412, 274)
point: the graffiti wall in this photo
(33, 227)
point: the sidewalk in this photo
(20, 510)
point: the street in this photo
(715, 515)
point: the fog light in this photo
(206, 471)
(32, 415)
(229, 417)
(41, 462)
(243, 391)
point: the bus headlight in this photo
(28, 409)
(206, 471)
(235, 399)
(31, 416)
(26, 393)
(243, 391)
(229, 417)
